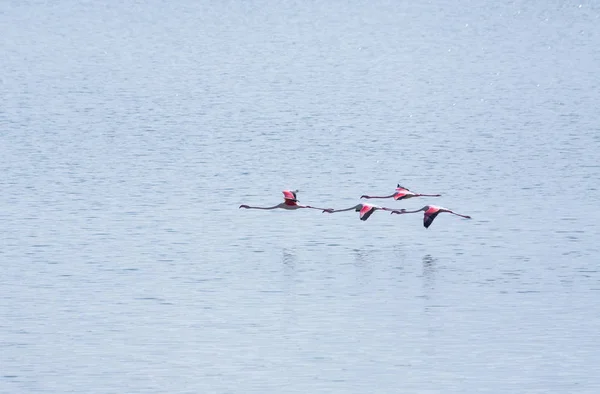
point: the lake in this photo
(131, 133)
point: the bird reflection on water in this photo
(429, 272)
(289, 260)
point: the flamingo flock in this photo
(366, 210)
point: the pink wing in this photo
(401, 193)
(430, 214)
(289, 195)
(366, 211)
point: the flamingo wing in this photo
(401, 193)
(289, 195)
(430, 214)
(366, 211)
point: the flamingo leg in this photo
(389, 209)
(458, 214)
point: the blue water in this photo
(131, 133)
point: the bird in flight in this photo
(403, 193)
(431, 212)
(365, 210)
(290, 202)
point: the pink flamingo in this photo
(431, 211)
(290, 202)
(403, 193)
(365, 210)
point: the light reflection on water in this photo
(131, 135)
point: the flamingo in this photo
(365, 210)
(290, 202)
(431, 211)
(403, 193)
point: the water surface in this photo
(130, 134)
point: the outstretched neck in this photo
(418, 210)
(311, 207)
(348, 209)
(365, 196)
(264, 208)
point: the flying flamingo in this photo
(365, 210)
(403, 193)
(431, 211)
(290, 202)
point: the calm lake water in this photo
(130, 134)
